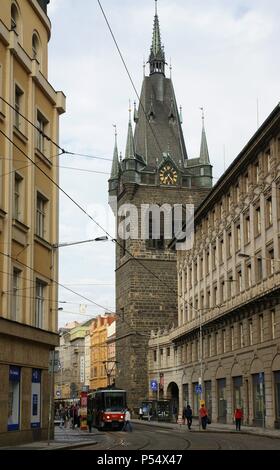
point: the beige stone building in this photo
(73, 354)
(228, 333)
(28, 219)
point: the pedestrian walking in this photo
(140, 413)
(238, 415)
(127, 423)
(89, 420)
(203, 414)
(188, 416)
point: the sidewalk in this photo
(64, 439)
(213, 427)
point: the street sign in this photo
(198, 389)
(58, 394)
(154, 385)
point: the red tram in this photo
(107, 407)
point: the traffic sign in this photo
(154, 385)
(198, 389)
(58, 394)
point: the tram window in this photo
(114, 402)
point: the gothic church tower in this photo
(155, 170)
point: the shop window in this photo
(259, 399)
(237, 383)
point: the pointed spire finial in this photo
(130, 149)
(157, 55)
(116, 134)
(129, 110)
(203, 116)
(115, 163)
(204, 153)
(181, 114)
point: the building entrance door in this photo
(222, 402)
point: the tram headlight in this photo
(121, 416)
(107, 417)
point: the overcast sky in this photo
(224, 56)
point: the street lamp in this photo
(98, 239)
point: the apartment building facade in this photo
(226, 347)
(28, 219)
(74, 352)
(99, 350)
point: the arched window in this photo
(14, 18)
(35, 47)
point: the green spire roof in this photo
(204, 153)
(115, 164)
(130, 147)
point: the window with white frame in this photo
(40, 303)
(16, 298)
(41, 215)
(18, 194)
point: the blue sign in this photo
(36, 376)
(198, 389)
(14, 374)
(154, 385)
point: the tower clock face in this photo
(168, 175)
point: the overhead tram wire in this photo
(58, 283)
(63, 151)
(89, 216)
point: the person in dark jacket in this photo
(188, 416)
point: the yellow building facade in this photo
(99, 351)
(28, 219)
